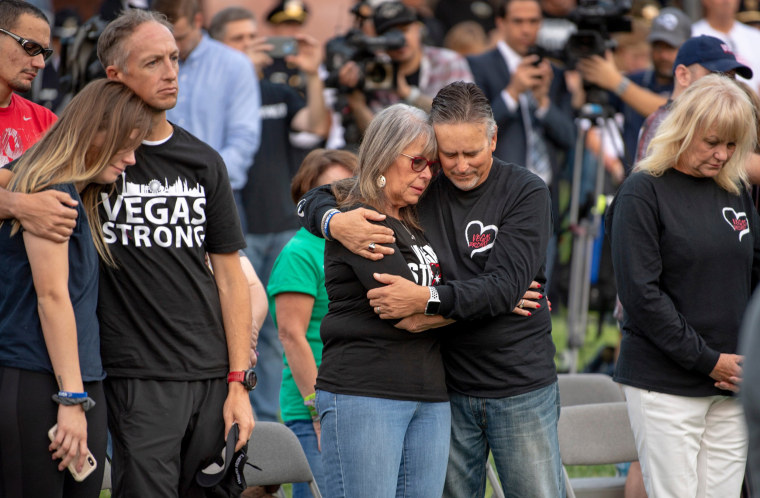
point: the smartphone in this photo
(283, 45)
(90, 464)
(536, 50)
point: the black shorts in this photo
(162, 431)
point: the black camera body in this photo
(584, 32)
(596, 20)
(378, 71)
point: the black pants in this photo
(27, 412)
(162, 433)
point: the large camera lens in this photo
(378, 75)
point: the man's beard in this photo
(20, 86)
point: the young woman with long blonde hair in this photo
(50, 369)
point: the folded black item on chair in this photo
(222, 475)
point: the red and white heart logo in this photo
(738, 221)
(480, 238)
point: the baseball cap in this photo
(711, 53)
(294, 11)
(388, 15)
(66, 23)
(672, 26)
(214, 472)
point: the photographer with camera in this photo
(531, 103)
(420, 70)
(639, 94)
(530, 100)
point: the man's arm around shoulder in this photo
(352, 229)
(46, 214)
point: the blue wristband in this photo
(67, 394)
(326, 225)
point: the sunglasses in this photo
(32, 48)
(419, 164)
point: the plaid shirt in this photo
(438, 68)
(649, 129)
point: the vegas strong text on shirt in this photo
(159, 311)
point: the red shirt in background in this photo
(22, 123)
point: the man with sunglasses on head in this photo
(24, 48)
(24, 42)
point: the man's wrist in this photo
(432, 301)
(413, 95)
(236, 388)
(311, 75)
(326, 219)
(622, 86)
(513, 92)
(15, 205)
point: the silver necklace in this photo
(407, 230)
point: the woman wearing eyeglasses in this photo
(381, 392)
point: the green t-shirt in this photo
(300, 268)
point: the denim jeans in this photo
(520, 430)
(383, 448)
(262, 250)
(304, 430)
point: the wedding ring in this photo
(371, 247)
(377, 309)
(522, 303)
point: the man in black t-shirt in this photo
(489, 222)
(171, 330)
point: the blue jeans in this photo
(383, 448)
(262, 250)
(304, 430)
(521, 431)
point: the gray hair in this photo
(390, 132)
(462, 102)
(111, 48)
(11, 10)
(224, 17)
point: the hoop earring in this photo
(380, 181)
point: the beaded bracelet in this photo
(310, 402)
(63, 398)
(326, 224)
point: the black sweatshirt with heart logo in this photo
(686, 255)
(491, 243)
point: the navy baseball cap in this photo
(711, 53)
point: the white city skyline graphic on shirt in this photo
(154, 187)
(158, 213)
